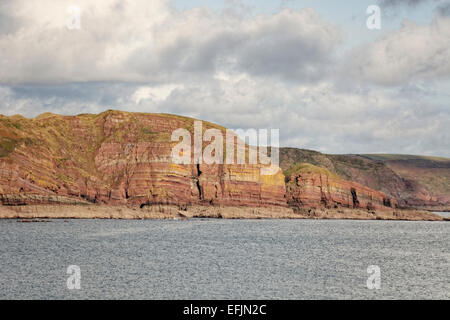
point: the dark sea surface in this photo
(224, 259)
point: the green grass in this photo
(64, 178)
(11, 123)
(308, 168)
(148, 135)
(7, 146)
(46, 115)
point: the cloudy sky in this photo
(310, 68)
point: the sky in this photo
(312, 69)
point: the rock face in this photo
(427, 179)
(415, 181)
(125, 159)
(314, 187)
(119, 158)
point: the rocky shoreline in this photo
(218, 212)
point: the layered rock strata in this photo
(119, 158)
(125, 160)
(308, 186)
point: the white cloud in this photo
(149, 41)
(316, 116)
(157, 93)
(414, 52)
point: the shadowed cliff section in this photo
(428, 178)
(119, 158)
(314, 187)
(415, 181)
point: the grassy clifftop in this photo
(304, 167)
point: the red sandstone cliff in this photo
(118, 158)
(415, 181)
(122, 158)
(314, 187)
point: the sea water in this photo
(224, 259)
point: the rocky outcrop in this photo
(36, 213)
(415, 181)
(119, 158)
(37, 199)
(427, 179)
(308, 186)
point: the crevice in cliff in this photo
(199, 188)
(88, 198)
(221, 180)
(197, 182)
(323, 197)
(354, 198)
